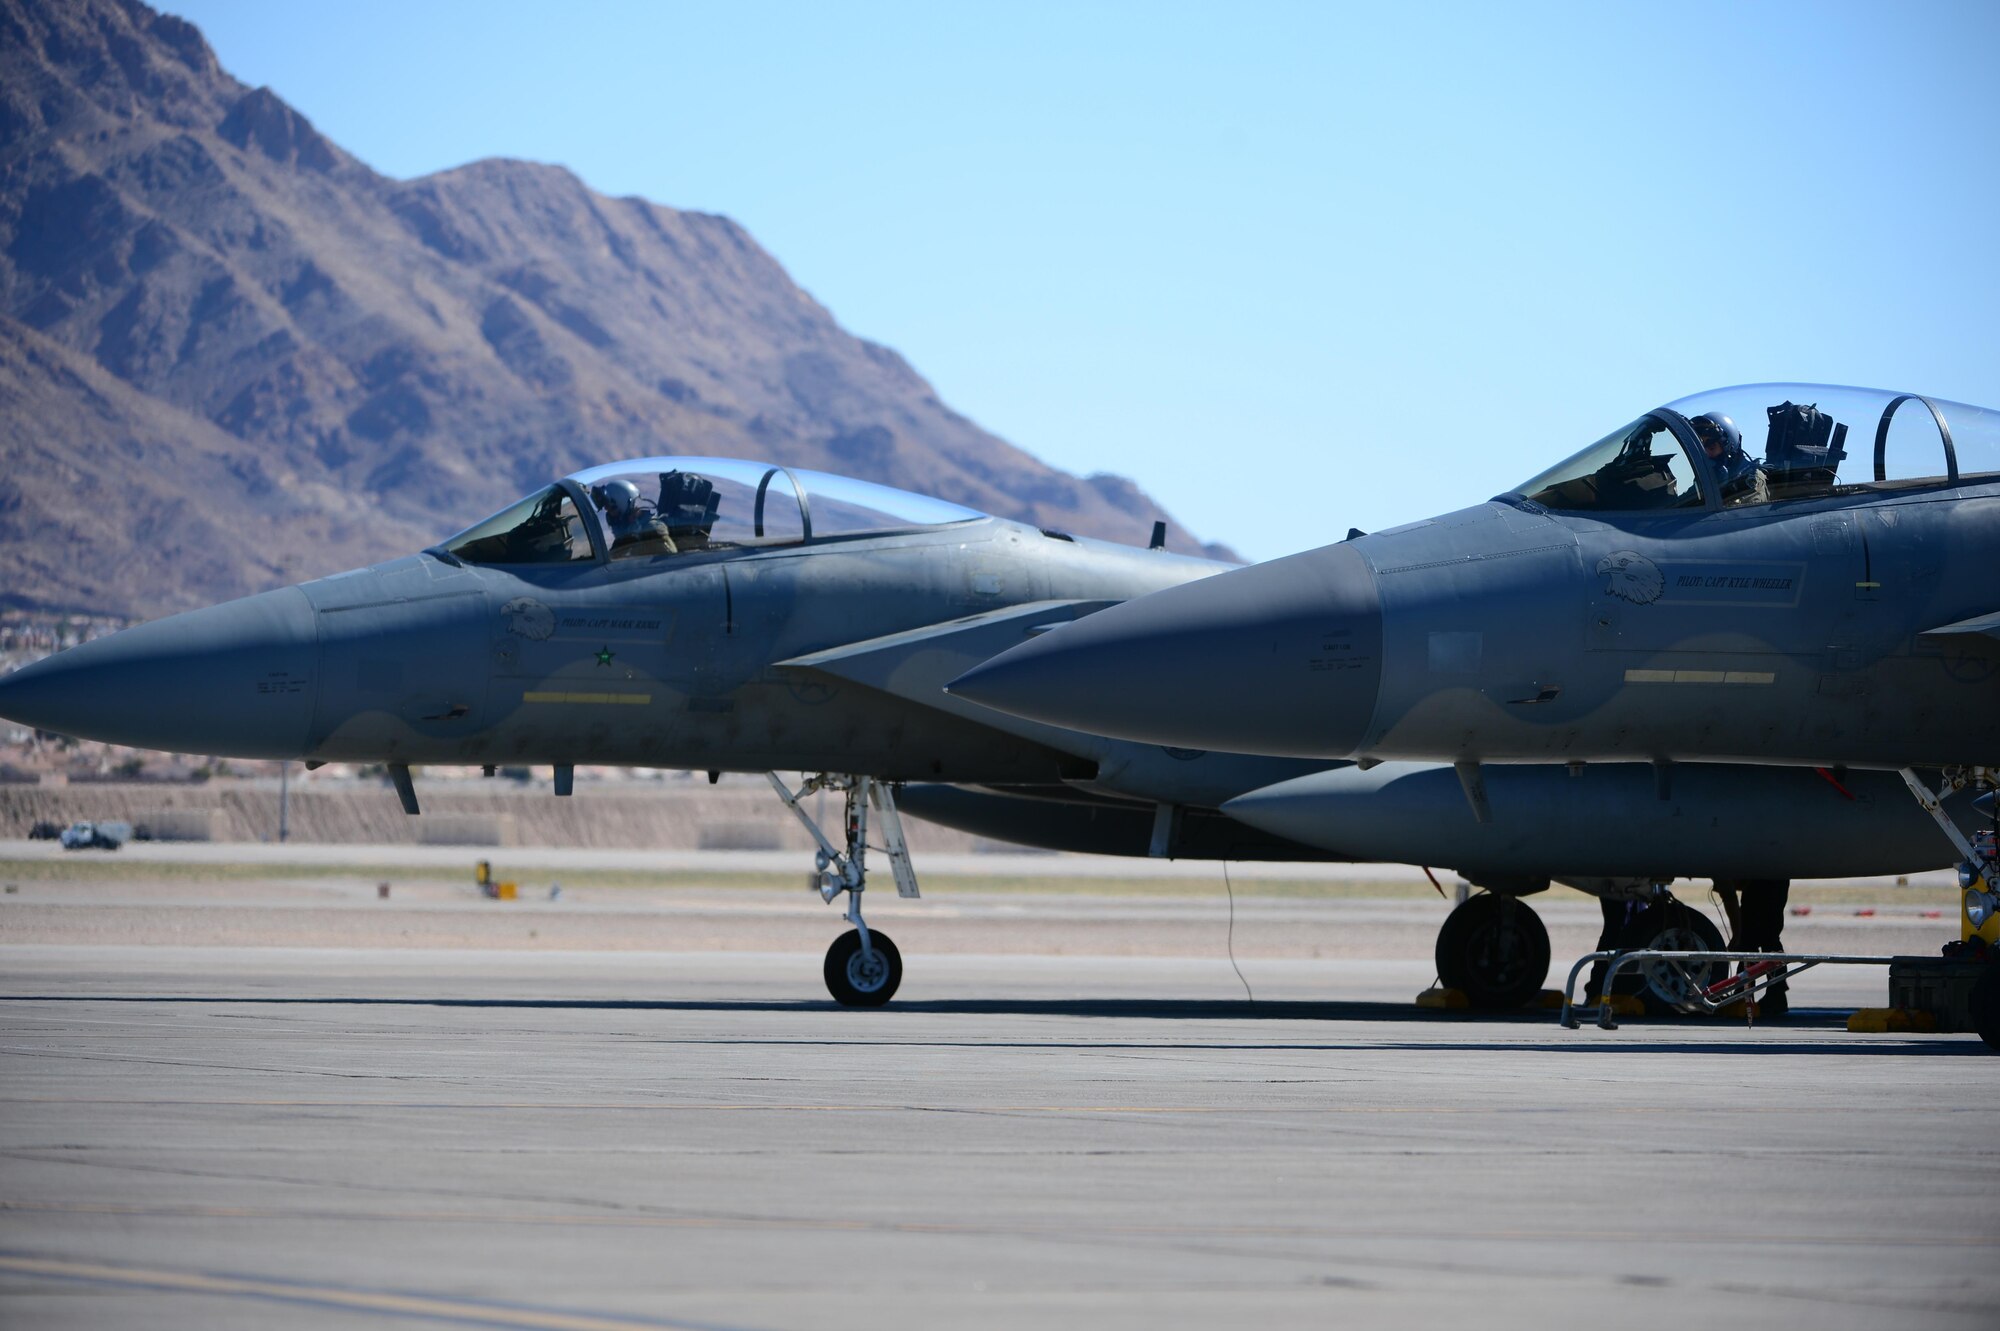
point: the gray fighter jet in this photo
(691, 613)
(722, 615)
(1662, 595)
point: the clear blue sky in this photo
(1295, 268)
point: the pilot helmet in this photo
(1716, 430)
(620, 498)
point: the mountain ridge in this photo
(208, 308)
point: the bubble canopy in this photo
(657, 506)
(1767, 443)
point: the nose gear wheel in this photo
(863, 979)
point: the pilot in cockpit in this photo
(633, 530)
(1742, 482)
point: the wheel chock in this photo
(1627, 1005)
(1886, 1020)
(1450, 1000)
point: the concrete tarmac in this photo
(227, 1137)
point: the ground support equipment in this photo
(1760, 971)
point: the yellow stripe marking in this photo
(1700, 677)
(601, 699)
(407, 1305)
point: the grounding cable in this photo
(1231, 889)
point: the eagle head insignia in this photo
(1632, 577)
(529, 618)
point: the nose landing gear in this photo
(863, 967)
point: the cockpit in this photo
(1768, 443)
(670, 506)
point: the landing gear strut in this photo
(863, 967)
(1979, 884)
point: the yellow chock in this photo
(1549, 1000)
(507, 891)
(1626, 1005)
(1881, 1020)
(1452, 1000)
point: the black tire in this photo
(1495, 951)
(852, 981)
(1670, 926)
(1985, 1005)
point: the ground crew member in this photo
(1618, 916)
(1756, 910)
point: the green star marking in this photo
(604, 655)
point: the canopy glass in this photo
(1766, 443)
(652, 507)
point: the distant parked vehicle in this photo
(45, 831)
(95, 836)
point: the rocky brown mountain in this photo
(232, 356)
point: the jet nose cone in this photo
(1281, 658)
(235, 679)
